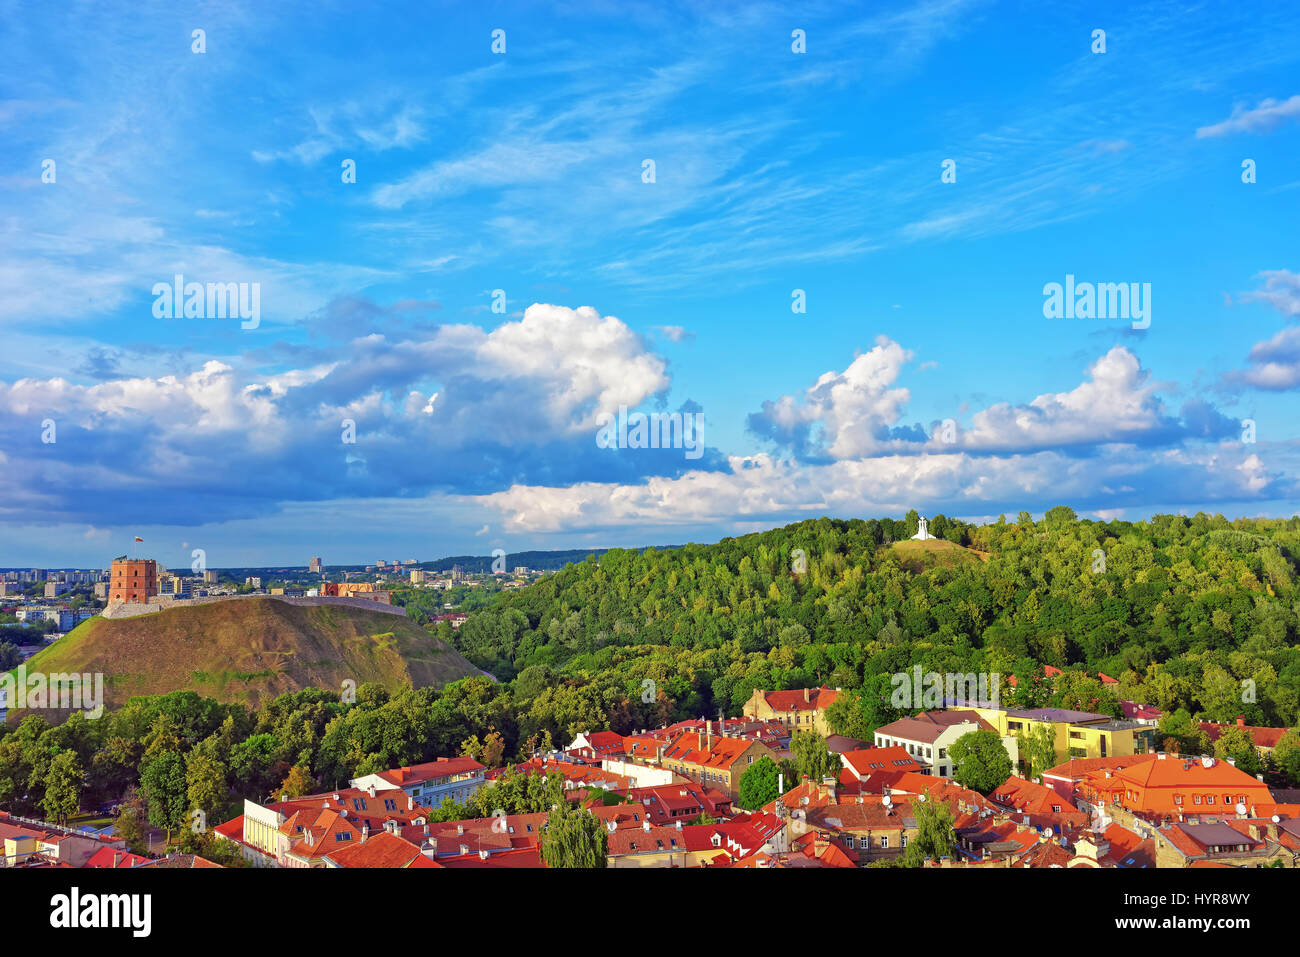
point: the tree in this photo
(131, 823)
(296, 783)
(1286, 757)
(981, 761)
(1235, 743)
(63, 787)
(935, 837)
(1038, 748)
(163, 786)
(205, 783)
(759, 784)
(811, 756)
(1182, 735)
(574, 837)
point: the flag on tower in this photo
(139, 539)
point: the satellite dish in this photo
(1049, 832)
(886, 800)
(1241, 808)
(1276, 819)
(921, 798)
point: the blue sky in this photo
(522, 171)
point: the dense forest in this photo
(1191, 613)
(1196, 616)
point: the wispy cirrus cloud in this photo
(1264, 118)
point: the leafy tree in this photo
(980, 760)
(63, 787)
(1286, 757)
(759, 783)
(574, 838)
(132, 823)
(215, 849)
(205, 783)
(1183, 735)
(1038, 749)
(1235, 743)
(163, 787)
(811, 756)
(935, 837)
(296, 783)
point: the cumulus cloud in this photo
(764, 489)
(842, 415)
(452, 408)
(857, 413)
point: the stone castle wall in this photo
(163, 602)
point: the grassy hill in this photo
(252, 649)
(934, 553)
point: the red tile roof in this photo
(1260, 737)
(800, 699)
(111, 858)
(382, 850)
(429, 771)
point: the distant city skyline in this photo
(641, 276)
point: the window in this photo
(943, 753)
(864, 842)
(884, 842)
(903, 843)
(1196, 799)
(1209, 799)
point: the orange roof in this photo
(720, 753)
(382, 850)
(1174, 786)
(1077, 768)
(868, 761)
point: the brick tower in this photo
(133, 580)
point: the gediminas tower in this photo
(133, 580)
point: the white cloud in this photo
(1261, 119)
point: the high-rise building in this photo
(315, 565)
(133, 580)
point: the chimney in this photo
(1241, 720)
(806, 696)
(371, 790)
(708, 735)
(365, 832)
(410, 802)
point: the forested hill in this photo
(1180, 609)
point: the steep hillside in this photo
(250, 649)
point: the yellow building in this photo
(716, 762)
(1077, 734)
(802, 709)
